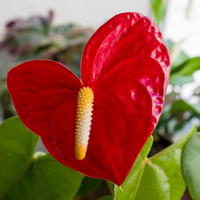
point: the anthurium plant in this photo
(99, 125)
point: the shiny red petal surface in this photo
(99, 161)
(127, 57)
(37, 88)
(126, 63)
(123, 36)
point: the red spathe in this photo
(127, 66)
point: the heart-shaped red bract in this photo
(127, 66)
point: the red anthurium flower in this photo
(98, 125)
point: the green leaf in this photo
(180, 80)
(146, 148)
(111, 187)
(169, 44)
(158, 177)
(27, 176)
(187, 68)
(159, 9)
(88, 185)
(182, 106)
(182, 57)
(191, 165)
(106, 198)
(130, 184)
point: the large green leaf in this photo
(159, 9)
(88, 185)
(181, 57)
(111, 187)
(187, 68)
(191, 166)
(182, 106)
(180, 80)
(28, 176)
(183, 73)
(158, 177)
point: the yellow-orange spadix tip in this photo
(83, 121)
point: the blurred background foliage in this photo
(37, 38)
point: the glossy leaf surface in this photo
(188, 67)
(191, 166)
(183, 73)
(180, 80)
(159, 9)
(182, 106)
(88, 185)
(159, 177)
(179, 61)
(28, 176)
(126, 64)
